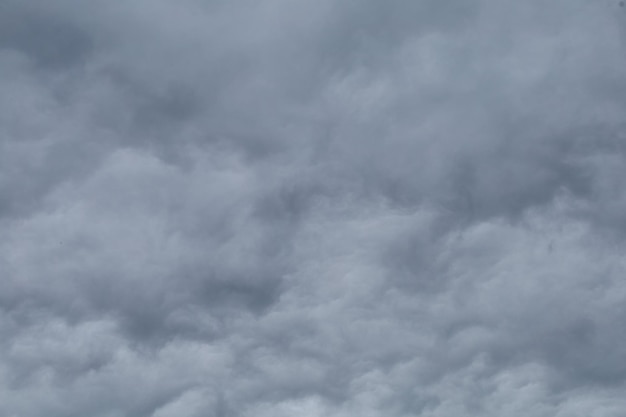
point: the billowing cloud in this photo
(312, 208)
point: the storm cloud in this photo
(312, 208)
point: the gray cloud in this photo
(308, 208)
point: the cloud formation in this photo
(312, 208)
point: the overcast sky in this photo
(316, 208)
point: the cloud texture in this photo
(312, 208)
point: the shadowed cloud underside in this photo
(312, 208)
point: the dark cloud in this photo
(329, 208)
(50, 41)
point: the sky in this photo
(277, 208)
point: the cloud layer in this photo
(312, 208)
